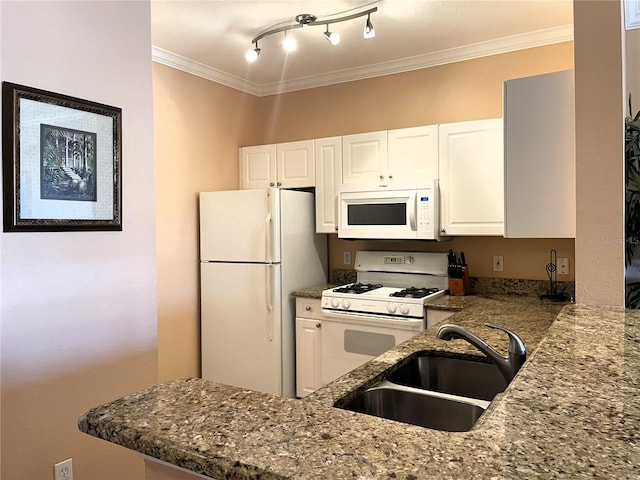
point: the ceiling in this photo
(209, 38)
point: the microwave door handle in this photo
(412, 213)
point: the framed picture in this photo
(61, 162)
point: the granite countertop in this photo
(573, 411)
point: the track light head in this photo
(289, 43)
(369, 31)
(253, 54)
(333, 37)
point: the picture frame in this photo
(61, 162)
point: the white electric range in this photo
(384, 307)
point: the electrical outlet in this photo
(346, 258)
(498, 263)
(563, 266)
(63, 470)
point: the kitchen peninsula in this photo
(573, 410)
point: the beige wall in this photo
(199, 126)
(79, 309)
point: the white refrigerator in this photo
(256, 247)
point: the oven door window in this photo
(367, 343)
(377, 214)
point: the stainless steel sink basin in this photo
(426, 409)
(456, 376)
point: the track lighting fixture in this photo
(369, 31)
(306, 19)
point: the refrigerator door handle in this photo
(267, 240)
(269, 301)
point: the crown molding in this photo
(632, 14)
(469, 52)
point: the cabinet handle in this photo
(381, 177)
(390, 177)
(443, 231)
(271, 184)
(307, 308)
(318, 325)
(279, 184)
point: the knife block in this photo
(460, 286)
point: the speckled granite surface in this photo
(572, 412)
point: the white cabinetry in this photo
(308, 345)
(539, 114)
(471, 177)
(394, 156)
(285, 165)
(328, 157)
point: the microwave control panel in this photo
(425, 210)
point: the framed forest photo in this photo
(62, 166)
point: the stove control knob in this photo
(391, 307)
(404, 309)
(335, 303)
(346, 303)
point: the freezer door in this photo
(241, 329)
(240, 226)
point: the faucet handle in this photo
(516, 345)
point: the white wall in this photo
(78, 309)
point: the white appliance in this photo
(385, 307)
(256, 247)
(399, 212)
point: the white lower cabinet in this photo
(471, 177)
(308, 345)
(435, 316)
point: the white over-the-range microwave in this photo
(396, 212)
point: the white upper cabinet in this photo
(285, 165)
(413, 153)
(394, 156)
(364, 158)
(328, 177)
(471, 177)
(540, 198)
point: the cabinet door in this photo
(540, 176)
(258, 166)
(471, 177)
(364, 158)
(328, 178)
(296, 166)
(413, 154)
(308, 356)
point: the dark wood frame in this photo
(12, 94)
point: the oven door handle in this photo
(403, 323)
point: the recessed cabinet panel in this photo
(258, 166)
(471, 177)
(296, 168)
(328, 157)
(413, 153)
(364, 158)
(540, 193)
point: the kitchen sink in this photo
(426, 409)
(433, 391)
(453, 375)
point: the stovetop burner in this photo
(358, 288)
(414, 292)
